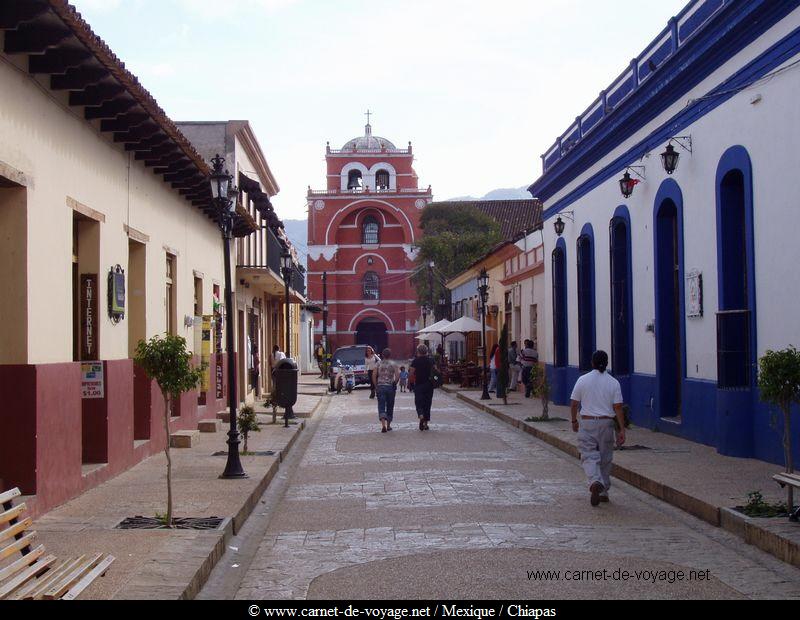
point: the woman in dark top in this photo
(420, 371)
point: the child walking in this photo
(403, 378)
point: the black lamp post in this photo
(483, 290)
(286, 272)
(224, 195)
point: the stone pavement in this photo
(465, 510)
(686, 474)
(167, 564)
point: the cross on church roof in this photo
(367, 114)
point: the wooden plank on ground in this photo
(15, 529)
(24, 561)
(72, 577)
(34, 569)
(16, 511)
(41, 586)
(9, 495)
(98, 570)
(17, 546)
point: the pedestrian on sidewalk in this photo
(385, 378)
(420, 374)
(494, 364)
(599, 397)
(403, 378)
(370, 362)
(529, 357)
(513, 366)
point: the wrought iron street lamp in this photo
(558, 225)
(627, 183)
(670, 157)
(224, 196)
(483, 291)
(286, 272)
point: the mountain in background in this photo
(297, 231)
(509, 193)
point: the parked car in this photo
(353, 356)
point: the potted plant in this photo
(166, 361)
(779, 385)
(247, 422)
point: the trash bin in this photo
(285, 378)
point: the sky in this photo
(480, 88)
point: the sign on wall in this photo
(89, 322)
(92, 383)
(205, 353)
(694, 294)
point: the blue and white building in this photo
(689, 280)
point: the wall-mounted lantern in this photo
(627, 182)
(670, 157)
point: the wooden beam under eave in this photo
(96, 94)
(33, 39)
(125, 122)
(78, 78)
(109, 109)
(146, 144)
(13, 14)
(57, 60)
(138, 135)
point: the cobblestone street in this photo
(465, 510)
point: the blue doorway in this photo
(670, 346)
(586, 313)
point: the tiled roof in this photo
(514, 216)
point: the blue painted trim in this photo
(562, 344)
(547, 185)
(737, 158)
(587, 316)
(668, 191)
(622, 213)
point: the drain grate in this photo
(257, 453)
(178, 523)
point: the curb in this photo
(748, 529)
(207, 547)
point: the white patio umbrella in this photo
(436, 328)
(465, 325)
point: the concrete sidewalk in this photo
(170, 564)
(686, 474)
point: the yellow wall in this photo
(64, 156)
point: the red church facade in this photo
(362, 231)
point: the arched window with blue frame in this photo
(736, 337)
(586, 309)
(559, 276)
(619, 233)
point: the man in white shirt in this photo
(599, 397)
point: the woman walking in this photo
(494, 364)
(420, 374)
(384, 378)
(371, 360)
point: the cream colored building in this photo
(96, 183)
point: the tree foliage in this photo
(166, 361)
(453, 237)
(779, 384)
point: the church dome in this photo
(368, 142)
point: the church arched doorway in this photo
(372, 331)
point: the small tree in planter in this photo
(248, 423)
(779, 384)
(167, 362)
(502, 372)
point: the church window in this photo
(371, 286)
(369, 231)
(382, 179)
